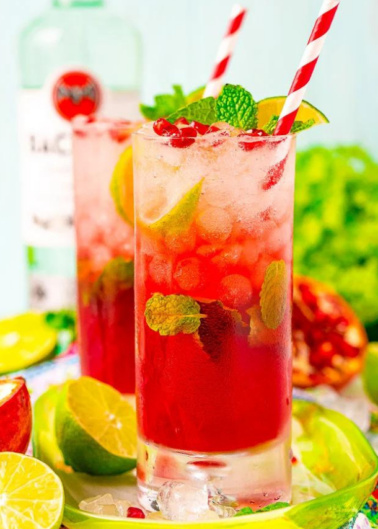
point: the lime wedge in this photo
(122, 186)
(24, 341)
(95, 428)
(31, 495)
(179, 218)
(370, 372)
(272, 106)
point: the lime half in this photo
(272, 106)
(24, 341)
(31, 494)
(370, 372)
(95, 428)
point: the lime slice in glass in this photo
(122, 186)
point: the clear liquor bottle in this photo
(77, 58)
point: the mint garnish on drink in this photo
(204, 111)
(166, 104)
(235, 106)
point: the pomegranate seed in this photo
(274, 174)
(181, 121)
(134, 512)
(294, 460)
(185, 139)
(266, 214)
(308, 297)
(212, 128)
(80, 133)
(162, 127)
(317, 336)
(119, 135)
(322, 355)
(91, 118)
(200, 127)
(218, 142)
(188, 132)
(342, 323)
(253, 133)
(319, 316)
(343, 347)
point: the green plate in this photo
(336, 471)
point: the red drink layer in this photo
(107, 337)
(216, 229)
(105, 255)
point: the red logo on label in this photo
(76, 93)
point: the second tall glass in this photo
(105, 249)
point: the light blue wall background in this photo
(180, 40)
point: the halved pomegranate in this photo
(329, 341)
(15, 415)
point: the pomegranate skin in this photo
(15, 418)
(329, 341)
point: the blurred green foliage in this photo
(336, 224)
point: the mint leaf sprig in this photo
(165, 104)
(235, 106)
(272, 507)
(204, 111)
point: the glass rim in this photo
(150, 135)
(99, 123)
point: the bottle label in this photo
(51, 292)
(45, 141)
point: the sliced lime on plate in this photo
(25, 340)
(95, 428)
(370, 372)
(31, 494)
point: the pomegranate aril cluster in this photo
(182, 133)
(325, 334)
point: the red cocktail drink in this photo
(105, 250)
(213, 309)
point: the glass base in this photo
(254, 478)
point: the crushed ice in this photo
(105, 505)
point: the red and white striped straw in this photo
(225, 51)
(306, 66)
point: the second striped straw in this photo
(306, 66)
(225, 51)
